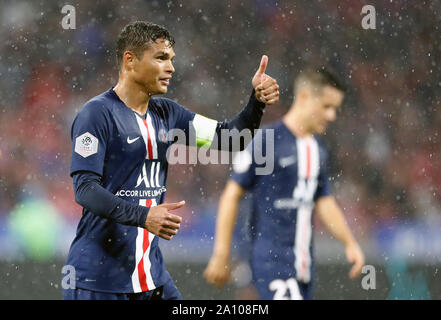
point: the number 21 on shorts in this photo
(282, 287)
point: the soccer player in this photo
(283, 201)
(119, 169)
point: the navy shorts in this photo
(166, 292)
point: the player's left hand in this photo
(355, 255)
(266, 87)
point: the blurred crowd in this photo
(385, 146)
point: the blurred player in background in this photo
(283, 201)
(119, 168)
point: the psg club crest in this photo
(163, 135)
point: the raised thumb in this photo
(172, 206)
(263, 65)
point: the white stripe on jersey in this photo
(315, 160)
(139, 255)
(148, 263)
(308, 171)
(152, 132)
(158, 169)
(146, 134)
(301, 162)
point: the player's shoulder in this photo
(320, 141)
(169, 109)
(276, 125)
(165, 103)
(101, 103)
(96, 110)
(273, 129)
(323, 147)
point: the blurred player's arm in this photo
(332, 217)
(218, 268)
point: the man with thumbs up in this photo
(119, 168)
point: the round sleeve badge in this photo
(86, 145)
(242, 161)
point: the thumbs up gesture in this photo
(267, 89)
(162, 222)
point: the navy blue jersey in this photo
(129, 152)
(282, 203)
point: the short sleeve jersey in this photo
(283, 200)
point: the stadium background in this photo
(385, 146)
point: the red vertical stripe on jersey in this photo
(308, 161)
(145, 245)
(149, 142)
(141, 271)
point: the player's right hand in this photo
(163, 223)
(218, 272)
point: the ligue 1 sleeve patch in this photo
(86, 145)
(242, 161)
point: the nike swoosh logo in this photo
(287, 161)
(130, 141)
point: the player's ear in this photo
(303, 95)
(129, 59)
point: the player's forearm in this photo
(332, 217)
(249, 118)
(225, 222)
(92, 196)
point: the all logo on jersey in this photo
(86, 145)
(302, 195)
(150, 180)
(308, 168)
(163, 135)
(148, 183)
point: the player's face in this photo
(154, 70)
(324, 107)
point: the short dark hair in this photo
(137, 36)
(318, 77)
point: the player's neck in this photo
(295, 123)
(132, 95)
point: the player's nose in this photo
(170, 68)
(331, 115)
